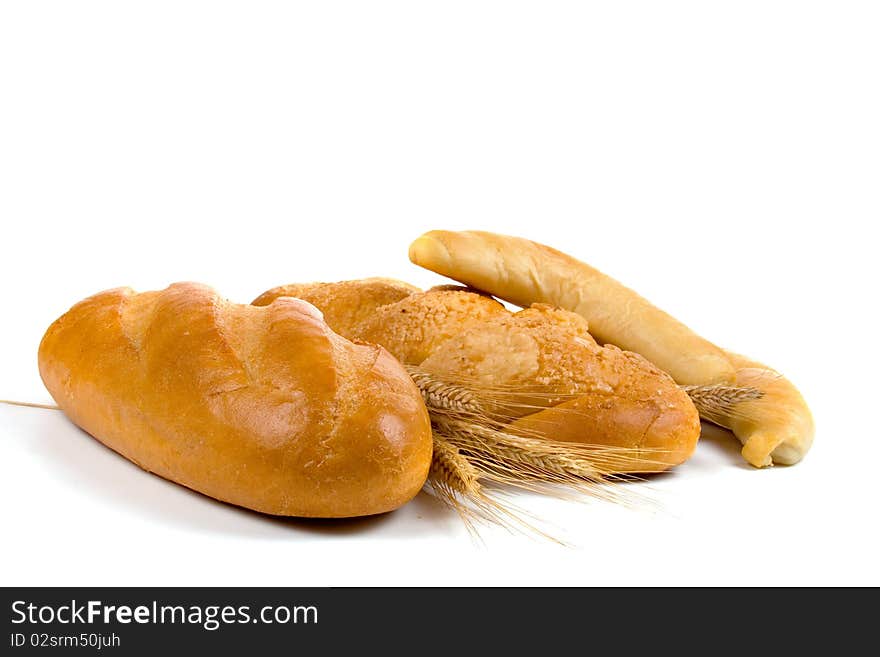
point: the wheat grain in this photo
(451, 472)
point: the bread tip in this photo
(428, 249)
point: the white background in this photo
(721, 158)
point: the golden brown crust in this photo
(539, 346)
(345, 304)
(263, 407)
(621, 400)
(414, 327)
(535, 359)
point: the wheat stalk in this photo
(50, 407)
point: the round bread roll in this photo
(262, 407)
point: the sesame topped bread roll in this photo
(346, 303)
(539, 363)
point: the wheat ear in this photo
(455, 481)
(445, 396)
(720, 404)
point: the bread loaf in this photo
(540, 366)
(263, 407)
